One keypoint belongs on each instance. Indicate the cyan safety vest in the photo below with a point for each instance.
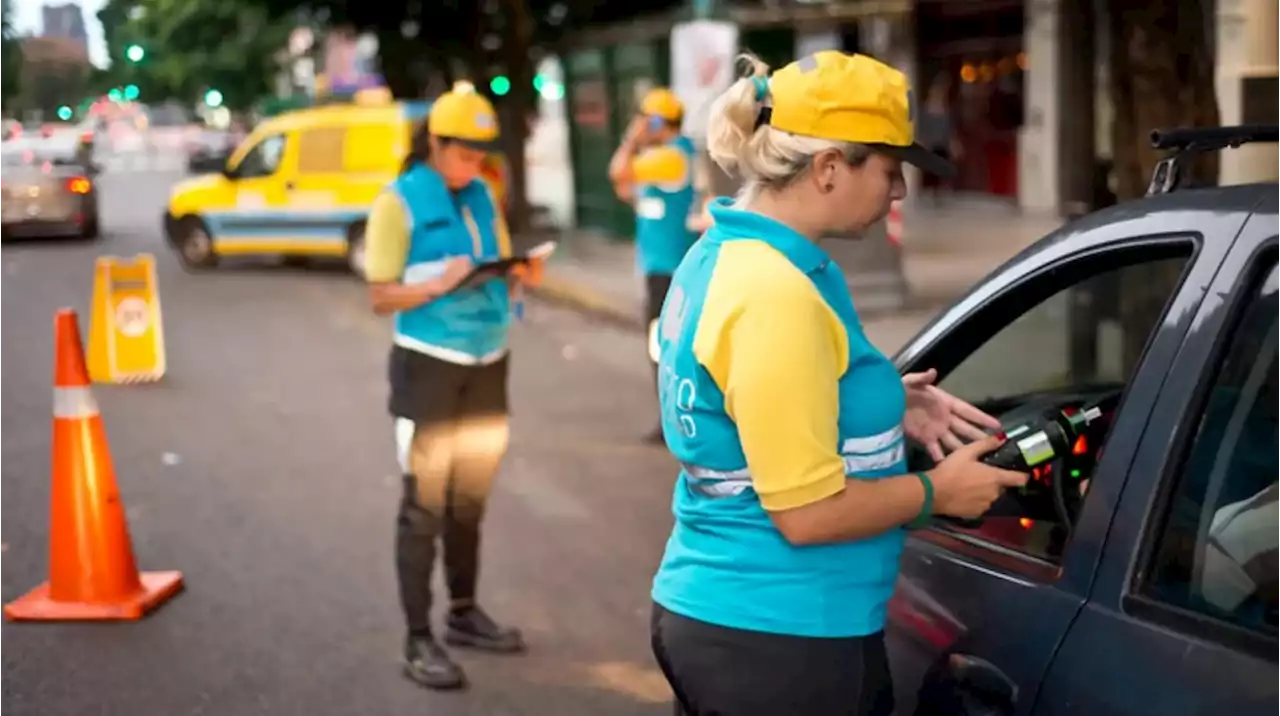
(470, 325)
(662, 212)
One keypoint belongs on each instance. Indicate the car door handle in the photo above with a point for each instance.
(288, 186)
(966, 685)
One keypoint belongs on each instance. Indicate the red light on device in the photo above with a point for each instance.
(1081, 447)
(1026, 523)
(79, 185)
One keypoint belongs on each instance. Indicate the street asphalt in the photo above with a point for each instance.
(262, 468)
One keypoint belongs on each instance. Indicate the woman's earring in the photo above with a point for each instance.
(828, 187)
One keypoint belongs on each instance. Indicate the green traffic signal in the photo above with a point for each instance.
(131, 92)
(135, 53)
(500, 85)
(114, 94)
(538, 82)
(213, 98)
(64, 113)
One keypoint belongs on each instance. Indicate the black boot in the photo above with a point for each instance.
(428, 664)
(471, 626)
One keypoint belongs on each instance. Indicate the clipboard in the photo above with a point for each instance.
(502, 267)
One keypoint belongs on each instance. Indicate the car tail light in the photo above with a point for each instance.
(79, 185)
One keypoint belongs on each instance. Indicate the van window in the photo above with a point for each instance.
(371, 148)
(320, 150)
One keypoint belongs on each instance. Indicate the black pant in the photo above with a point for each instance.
(655, 292)
(452, 435)
(717, 671)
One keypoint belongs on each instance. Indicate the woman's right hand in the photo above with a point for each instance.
(456, 269)
(964, 487)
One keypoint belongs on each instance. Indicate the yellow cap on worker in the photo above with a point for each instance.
(464, 115)
(850, 98)
(662, 102)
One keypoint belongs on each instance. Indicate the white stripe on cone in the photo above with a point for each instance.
(73, 403)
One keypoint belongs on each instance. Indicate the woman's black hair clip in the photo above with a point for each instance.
(763, 117)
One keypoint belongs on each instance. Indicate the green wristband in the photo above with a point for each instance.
(926, 508)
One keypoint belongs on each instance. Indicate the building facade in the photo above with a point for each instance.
(66, 21)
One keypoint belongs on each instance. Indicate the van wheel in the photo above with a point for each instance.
(195, 245)
(355, 250)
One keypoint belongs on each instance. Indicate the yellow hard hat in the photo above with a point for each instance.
(662, 102)
(464, 115)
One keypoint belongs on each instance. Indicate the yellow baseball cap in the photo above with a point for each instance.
(465, 116)
(850, 98)
(662, 102)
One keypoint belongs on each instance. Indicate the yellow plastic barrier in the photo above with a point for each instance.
(126, 335)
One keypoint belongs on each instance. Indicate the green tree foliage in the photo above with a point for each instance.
(50, 85)
(10, 57)
(193, 45)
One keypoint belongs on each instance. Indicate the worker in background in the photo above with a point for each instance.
(653, 169)
(448, 371)
(790, 427)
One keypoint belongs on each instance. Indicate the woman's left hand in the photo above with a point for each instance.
(528, 274)
(939, 420)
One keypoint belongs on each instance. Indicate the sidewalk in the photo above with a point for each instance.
(944, 252)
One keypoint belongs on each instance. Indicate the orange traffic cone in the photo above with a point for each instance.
(92, 574)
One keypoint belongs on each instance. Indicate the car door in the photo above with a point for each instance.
(1182, 617)
(980, 611)
(255, 220)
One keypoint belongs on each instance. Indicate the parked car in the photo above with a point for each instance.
(1137, 574)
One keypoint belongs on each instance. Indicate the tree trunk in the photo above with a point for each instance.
(1162, 75)
(517, 105)
(398, 60)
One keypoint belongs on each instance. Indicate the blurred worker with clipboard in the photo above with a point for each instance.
(653, 169)
(439, 260)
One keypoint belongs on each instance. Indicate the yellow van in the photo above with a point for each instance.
(300, 185)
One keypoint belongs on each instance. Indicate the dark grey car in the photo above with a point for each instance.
(48, 193)
(1136, 575)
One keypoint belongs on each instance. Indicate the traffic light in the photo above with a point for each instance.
(539, 81)
(64, 113)
(135, 53)
(500, 85)
(131, 92)
(114, 95)
(213, 98)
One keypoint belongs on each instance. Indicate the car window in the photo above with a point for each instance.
(320, 150)
(1216, 546)
(1063, 346)
(263, 159)
(1079, 336)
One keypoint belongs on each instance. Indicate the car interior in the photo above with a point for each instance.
(1026, 369)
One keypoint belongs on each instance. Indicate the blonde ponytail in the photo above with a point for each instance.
(733, 115)
(765, 158)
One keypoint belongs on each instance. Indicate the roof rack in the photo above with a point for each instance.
(1188, 142)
